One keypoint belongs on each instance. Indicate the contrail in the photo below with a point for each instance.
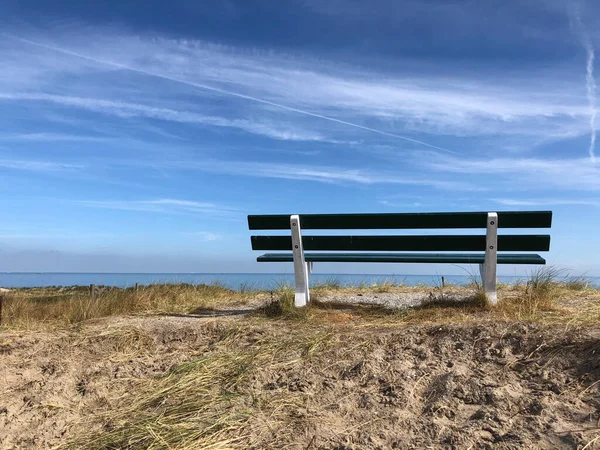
(590, 84)
(590, 81)
(225, 92)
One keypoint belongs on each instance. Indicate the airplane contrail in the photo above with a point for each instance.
(225, 92)
(590, 83)
(590, 80)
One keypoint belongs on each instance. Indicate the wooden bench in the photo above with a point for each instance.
(395, 248)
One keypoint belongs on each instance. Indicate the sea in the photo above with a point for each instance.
(236, 281)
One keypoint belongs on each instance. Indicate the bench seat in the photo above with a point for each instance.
(453, 258)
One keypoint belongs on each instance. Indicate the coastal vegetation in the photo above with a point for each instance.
(203, 366)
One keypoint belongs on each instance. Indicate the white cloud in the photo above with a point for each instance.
(61, 235)
(164, 206)
(39, 166)
(128, 110)
(49, 137)
(205, 236)
(568, 174)
(545, 202)
(590, 81)
(299, 99)
(290, 98)
(317, 173)
(390, 204)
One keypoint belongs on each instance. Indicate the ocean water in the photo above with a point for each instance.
(260, 281)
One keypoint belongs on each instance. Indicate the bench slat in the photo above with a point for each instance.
(456, 258)
(445, 220)
(513, 243)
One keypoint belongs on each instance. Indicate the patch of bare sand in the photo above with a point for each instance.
(398, 297)
(50, 381)
(459, 386)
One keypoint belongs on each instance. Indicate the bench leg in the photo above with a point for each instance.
(488, 269)
(301, 267)
(309, 269)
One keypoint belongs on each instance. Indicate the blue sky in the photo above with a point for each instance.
(137, 136)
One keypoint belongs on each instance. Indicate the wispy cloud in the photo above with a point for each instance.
(590, 81)
(591, 92)
(128, 110)
(316, 173)
(39, 166)
(163, 206)
(514, 173)
(223, 91)
(390, 204)
(50, 137)
(65, 234)
(205, 236)
(289, 98)
(546, 202)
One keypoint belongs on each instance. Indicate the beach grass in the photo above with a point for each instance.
(229, 398)
(40, 307)
(537, 297)
(546, 296)
(240, 383)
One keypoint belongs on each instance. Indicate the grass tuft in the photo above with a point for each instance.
(539, 296)
(283, 307)
(384, 286)
(574, 283)
(331, 284)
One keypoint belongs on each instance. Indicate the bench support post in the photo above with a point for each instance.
(302, 269)
(488, 268)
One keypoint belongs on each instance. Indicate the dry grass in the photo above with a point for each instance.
(244, 389)
(260, 385)
(49, 307)
(331, 283)
(536, 299)
(204, 403)
(541, 298)
(577, 283)
(283, 307)
(194, 406)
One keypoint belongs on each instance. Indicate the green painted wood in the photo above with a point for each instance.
(468, 243)
(447, 220)
(456, 258)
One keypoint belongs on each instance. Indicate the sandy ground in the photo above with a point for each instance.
(49, 381)
(488, 385)
(396, 299)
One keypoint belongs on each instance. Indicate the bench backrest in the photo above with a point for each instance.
(404, 221)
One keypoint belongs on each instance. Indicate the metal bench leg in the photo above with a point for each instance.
(488, 269)
(301, 267)
(309, 269)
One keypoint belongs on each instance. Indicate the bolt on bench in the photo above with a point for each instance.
(392, 248)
